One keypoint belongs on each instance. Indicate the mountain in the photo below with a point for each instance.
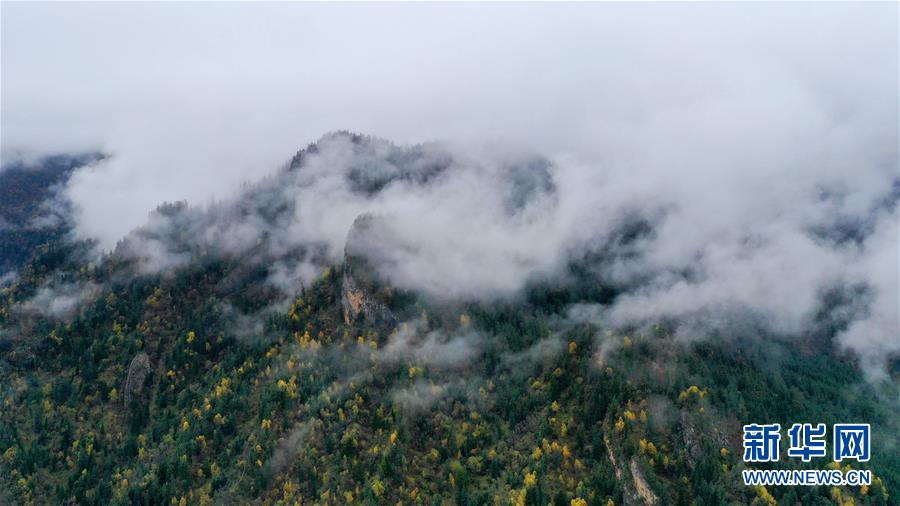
(31, 215)
(328, 336)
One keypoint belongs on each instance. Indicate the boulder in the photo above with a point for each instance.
(138, 372)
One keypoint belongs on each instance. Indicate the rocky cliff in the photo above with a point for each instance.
(365, 294)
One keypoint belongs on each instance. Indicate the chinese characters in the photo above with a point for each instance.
(850, 441)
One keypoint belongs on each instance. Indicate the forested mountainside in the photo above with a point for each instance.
(30, 216)
(226, 356)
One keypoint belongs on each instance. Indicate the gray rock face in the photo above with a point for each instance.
(137, 377)
(364, 295)
(693, 441)
(358, 302)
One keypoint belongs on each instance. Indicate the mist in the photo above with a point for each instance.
(757, 142)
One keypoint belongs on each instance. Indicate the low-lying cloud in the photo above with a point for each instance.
(59, 300)
(711, 162)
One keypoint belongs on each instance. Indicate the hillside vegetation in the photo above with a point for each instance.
(197, 379)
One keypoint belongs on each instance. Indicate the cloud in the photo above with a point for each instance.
(8, 278)
(543, 351)
(480, 225)
(717, 164)
(288, 446)
(877, 334)
(59, 300)
(606, 82)
(413, 342)
(418, 397)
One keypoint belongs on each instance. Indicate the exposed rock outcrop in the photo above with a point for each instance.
(693, 439)
(642, 489)
(365, 295)
(641, 493)
(138, 372)
(360, 303)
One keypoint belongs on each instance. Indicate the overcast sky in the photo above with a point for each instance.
(224, 92)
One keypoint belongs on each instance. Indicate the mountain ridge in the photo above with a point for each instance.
(223, 355)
